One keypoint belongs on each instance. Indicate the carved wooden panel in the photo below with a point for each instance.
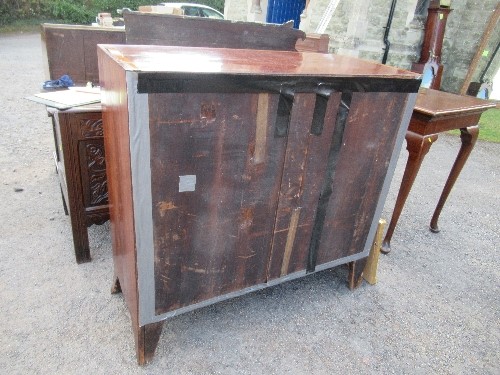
(93, 171)
(91, 128)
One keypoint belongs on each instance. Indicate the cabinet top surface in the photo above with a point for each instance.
(167, 59)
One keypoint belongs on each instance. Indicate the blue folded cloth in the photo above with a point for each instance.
(64, 81)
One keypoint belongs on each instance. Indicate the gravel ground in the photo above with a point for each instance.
(435, 309)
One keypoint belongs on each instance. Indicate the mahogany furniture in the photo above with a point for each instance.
(79, 150)
(171, 30)
(436, 112)
(233, 170)
(81, 168)
(72, 49)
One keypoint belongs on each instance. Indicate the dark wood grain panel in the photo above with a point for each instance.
(164, 29)
(90, 41)
(301, 185)
(216, 238)
(93, 172)
(64, 49)
(72, 50)
(316, 169)
(358, 180)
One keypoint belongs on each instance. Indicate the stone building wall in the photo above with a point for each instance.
(464, 30)
(357, 29)
(236, 10)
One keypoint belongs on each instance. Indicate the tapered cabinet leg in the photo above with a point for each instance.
(81, 242)
(418, 146)
(147, 340)
(356, 268)
(468, 136)
(116, 287)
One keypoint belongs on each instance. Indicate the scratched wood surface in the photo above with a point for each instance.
(165, 29)
(213, 237)
(248, 212)
(262, 164)
(361, 167)
(304, 166)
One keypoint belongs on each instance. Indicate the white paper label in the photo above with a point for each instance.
(187, 183)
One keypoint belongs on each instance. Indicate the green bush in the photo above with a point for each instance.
(70, 12)
(74, 11)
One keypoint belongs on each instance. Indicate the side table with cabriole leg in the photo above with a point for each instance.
(436, 112)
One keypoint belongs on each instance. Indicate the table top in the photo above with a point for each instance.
(436, 103)
(95, 107)
(168, 59)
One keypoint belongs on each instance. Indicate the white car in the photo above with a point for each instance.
(195, 10)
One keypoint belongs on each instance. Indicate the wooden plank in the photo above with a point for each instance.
(290, 239)
(165, 29)
(262, 126)
(303, 174)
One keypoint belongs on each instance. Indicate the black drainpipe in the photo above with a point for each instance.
(481, 79)
(387, 30)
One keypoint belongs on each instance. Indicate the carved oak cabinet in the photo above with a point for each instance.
(81, 168)
(233, 170)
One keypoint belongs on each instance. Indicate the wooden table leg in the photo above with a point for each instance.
(468, 136)
(418, 146)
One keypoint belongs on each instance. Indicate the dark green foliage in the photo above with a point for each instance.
(75, 11)
(11, 10)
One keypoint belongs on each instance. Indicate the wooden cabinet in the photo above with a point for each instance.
(81, 168)
(233, 170)
(72, 50)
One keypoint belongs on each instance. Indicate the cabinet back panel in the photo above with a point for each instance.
(216, 170)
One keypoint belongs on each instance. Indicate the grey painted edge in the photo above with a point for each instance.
(238, 293)
(403, 127)
(138, 108)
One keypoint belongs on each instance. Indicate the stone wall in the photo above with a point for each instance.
(464, 30)
(357, 29)
(236, 10)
